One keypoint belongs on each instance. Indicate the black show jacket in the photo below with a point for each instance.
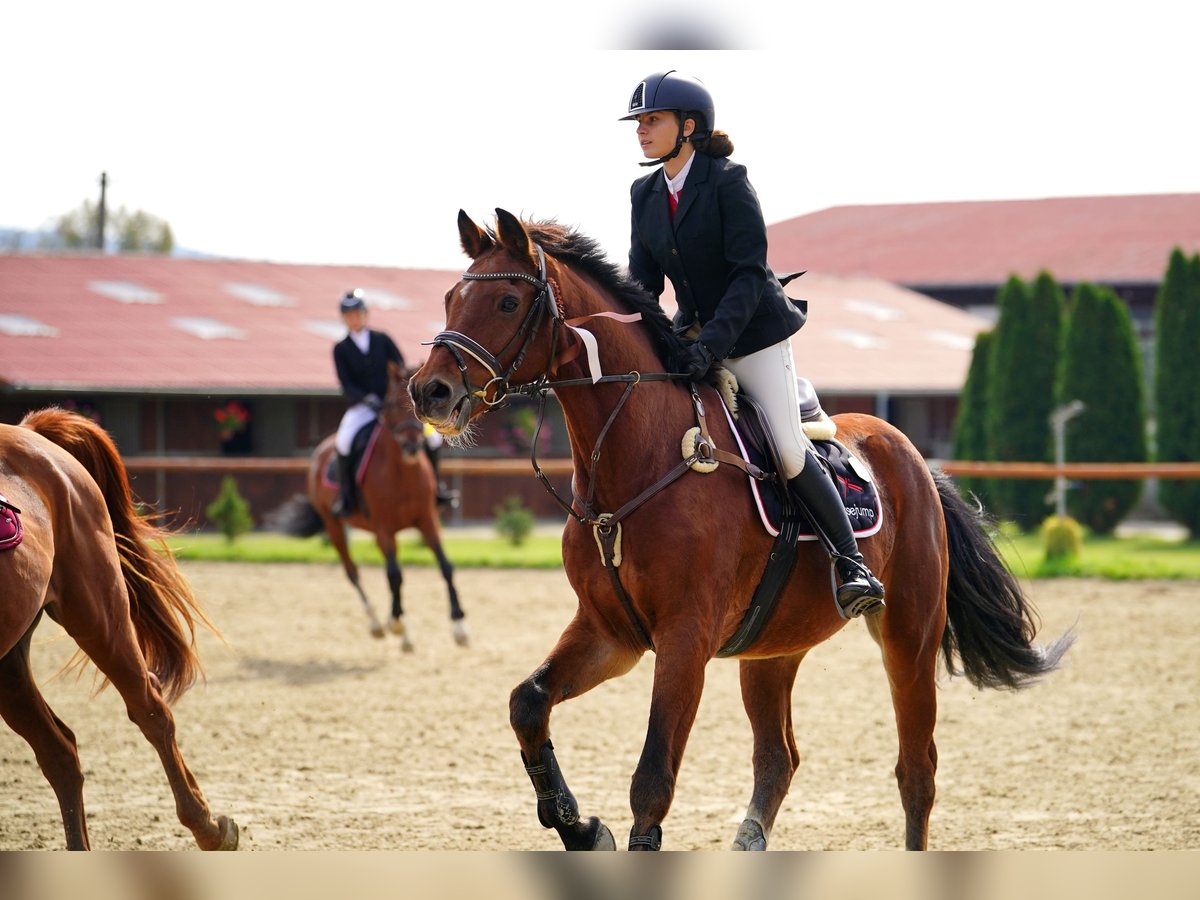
(361, 373)
(715, 255)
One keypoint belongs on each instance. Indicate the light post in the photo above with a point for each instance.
(1058, 420)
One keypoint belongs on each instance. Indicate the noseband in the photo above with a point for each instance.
(457, 343)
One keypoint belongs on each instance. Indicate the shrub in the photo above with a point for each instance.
(230, 512)
(1062, 539)
(513, 521)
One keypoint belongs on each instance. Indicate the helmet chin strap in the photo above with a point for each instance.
(679, 141)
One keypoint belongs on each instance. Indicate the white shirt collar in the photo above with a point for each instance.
(675, 185)
(362, 339)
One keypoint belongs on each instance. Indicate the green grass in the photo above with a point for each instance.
(537, 551)
(1117, 559)
(1103, 557)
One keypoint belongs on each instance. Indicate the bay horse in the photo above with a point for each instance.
(88, 559)
(398, 490)
(667, 560)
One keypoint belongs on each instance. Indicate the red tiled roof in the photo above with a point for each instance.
(103, 343)
(863, 334)
(1101, 239)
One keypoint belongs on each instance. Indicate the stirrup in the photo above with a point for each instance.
(860, 595)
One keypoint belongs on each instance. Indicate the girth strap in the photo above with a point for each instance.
(774, 577)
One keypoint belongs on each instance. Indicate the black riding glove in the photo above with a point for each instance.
(697, 360)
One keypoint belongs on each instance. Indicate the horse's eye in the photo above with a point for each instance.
(509, 303)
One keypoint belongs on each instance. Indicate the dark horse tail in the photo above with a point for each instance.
(990, 624)
(296, 517)
(161, 603)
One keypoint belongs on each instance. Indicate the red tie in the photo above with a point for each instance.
(673, 203)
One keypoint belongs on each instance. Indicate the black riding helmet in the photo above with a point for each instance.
(679, 93)
(352, 300)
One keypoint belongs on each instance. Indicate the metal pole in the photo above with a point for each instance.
(101, 212)
(1059, 419)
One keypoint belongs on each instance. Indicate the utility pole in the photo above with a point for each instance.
(100, 213)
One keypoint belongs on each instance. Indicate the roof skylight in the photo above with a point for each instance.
(326, 328)
(17, 325)
(208, 329)
(860, 340)
(380, 299)
(125, 291)
(881, 312)
(258, 295)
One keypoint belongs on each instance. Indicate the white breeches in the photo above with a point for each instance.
(769, 376)
(352, 420)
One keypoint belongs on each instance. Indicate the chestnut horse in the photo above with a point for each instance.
(398, 490)
(100, 569)
(667, 560)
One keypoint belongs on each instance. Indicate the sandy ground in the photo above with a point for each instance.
(315, 736)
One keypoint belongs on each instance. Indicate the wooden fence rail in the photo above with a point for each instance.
(1082, 471)
(559, 466)
(286, 464)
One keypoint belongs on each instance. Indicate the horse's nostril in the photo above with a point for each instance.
(436, 391)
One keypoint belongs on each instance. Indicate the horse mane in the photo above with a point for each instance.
(583, 253)
(164, 610)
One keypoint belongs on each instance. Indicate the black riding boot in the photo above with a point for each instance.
(345, 504)
(445, 496)
(860, 591)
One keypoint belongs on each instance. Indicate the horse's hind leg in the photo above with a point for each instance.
(26, 712)
(103, 630)
(337, 537)
(767, 696)
(910, 658)
(583, 658)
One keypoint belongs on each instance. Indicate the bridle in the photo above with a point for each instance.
(457, 343)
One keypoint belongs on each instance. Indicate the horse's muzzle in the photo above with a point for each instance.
(445, 406)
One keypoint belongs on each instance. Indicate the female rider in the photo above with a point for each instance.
(699, 225)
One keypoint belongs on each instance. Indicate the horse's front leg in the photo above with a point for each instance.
(432, 537)
(387, 546)
(678, 684)
(767, 697)
(584, 657)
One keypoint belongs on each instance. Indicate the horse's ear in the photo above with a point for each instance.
(475, 241)
(513, 236)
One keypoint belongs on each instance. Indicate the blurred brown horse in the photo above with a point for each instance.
(398, 490)
(667, 560)
(99, 569)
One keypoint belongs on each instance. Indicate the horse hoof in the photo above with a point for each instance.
(229, 833)
(406, 645)
(604, 838)
(396, 625)
(377, 630)
(460, 634)
(750, 837)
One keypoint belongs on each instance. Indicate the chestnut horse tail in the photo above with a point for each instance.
(161, 604)
(990, 624)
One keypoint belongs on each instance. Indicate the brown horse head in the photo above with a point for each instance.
(505, 317)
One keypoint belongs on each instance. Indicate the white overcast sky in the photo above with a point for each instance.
(353, 132)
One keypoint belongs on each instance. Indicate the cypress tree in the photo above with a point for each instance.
(970, 427)
(1021, 391)
(1177, 384)
(1102, 367)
